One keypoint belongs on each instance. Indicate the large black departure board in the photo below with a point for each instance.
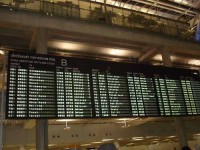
(45, 86)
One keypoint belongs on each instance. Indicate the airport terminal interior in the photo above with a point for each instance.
(142, 33)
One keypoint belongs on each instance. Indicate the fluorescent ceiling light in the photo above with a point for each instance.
(137, 138)
(85, 144)
(96, 142)
(105, 140)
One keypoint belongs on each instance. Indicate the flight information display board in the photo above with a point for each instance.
(45, 86)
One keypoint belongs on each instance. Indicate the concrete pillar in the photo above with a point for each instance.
(42, 134)
(41, 124)
(179, 122)
(181, 131)
(41, 41)
(166, 57)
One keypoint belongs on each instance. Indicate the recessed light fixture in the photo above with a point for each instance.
(2, 52)
(157, 57)
(195, 62)
(117, 52)
(66, 45)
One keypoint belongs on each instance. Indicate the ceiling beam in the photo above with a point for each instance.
(147, 55)
(33, 39)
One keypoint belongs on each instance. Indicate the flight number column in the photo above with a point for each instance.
(69, 96)
(12, 92)
(22, 93)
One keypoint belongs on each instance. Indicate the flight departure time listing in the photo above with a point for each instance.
(46, 86)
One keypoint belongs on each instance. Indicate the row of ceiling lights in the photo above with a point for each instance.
(70, 46)
(124, 53)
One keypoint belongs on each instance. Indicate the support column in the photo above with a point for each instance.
(41, 41)
(42, 134)
(2, 117)
(179, 122)
(41, 124)
(181, 131)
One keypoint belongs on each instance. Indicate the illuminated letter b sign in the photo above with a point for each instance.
(63, 62)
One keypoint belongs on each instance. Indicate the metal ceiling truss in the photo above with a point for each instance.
(165, 8)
